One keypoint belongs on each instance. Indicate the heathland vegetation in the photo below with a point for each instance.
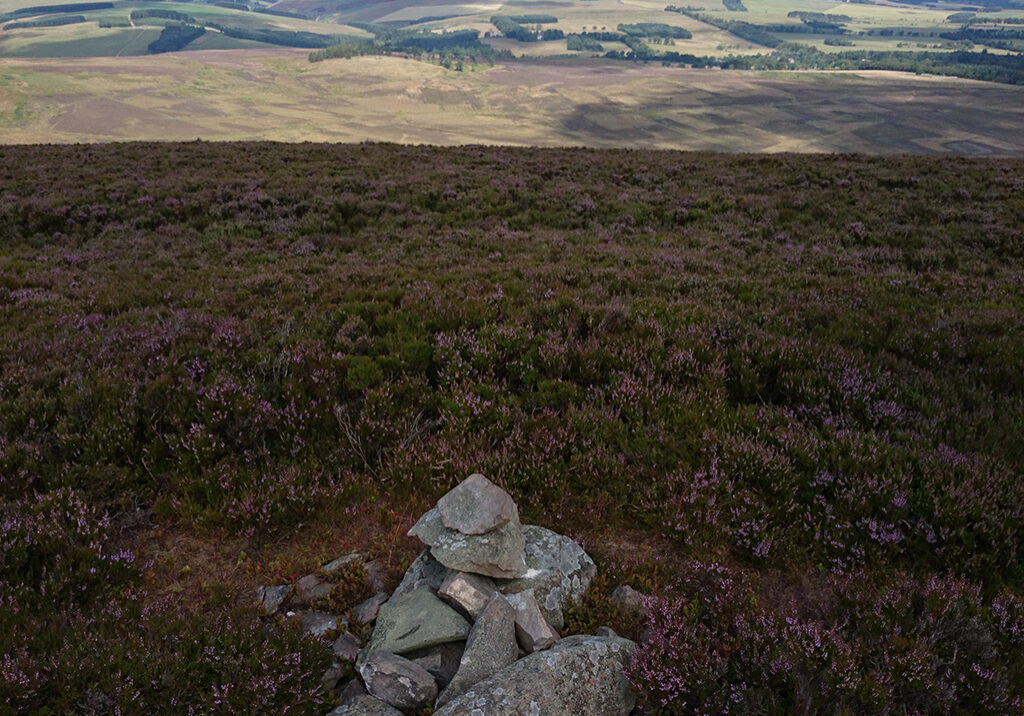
(781, 393)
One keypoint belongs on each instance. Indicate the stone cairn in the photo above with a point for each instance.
(473, 626)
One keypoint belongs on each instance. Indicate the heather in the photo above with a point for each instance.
(800, 376)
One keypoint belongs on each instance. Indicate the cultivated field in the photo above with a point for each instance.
(277, 94)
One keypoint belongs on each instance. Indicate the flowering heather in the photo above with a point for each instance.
(802, 370)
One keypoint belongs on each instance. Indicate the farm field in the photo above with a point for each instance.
(279, 95)
(779, 393)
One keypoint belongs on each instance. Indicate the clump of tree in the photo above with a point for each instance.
(284, 38)
(744, 30)
(56, 21)
(67, 7)
(579, 43)
(655, 29)
(535, 19)
(819, 17)
(174, 37)
(512, 29)
(232, 5)
(734, 5)
(181, 17)
(838, 42)
(280, 13)
(347, 49)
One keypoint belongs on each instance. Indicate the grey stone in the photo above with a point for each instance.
(376, 575)
(366, 612)
(397, 681)
(352, 689)
(490, 648)
(271, 598)
(310, 589)
(365, 705)
(320, 624)
(605, 631)
(469, 592)
(579, 675)
(425, 571)
(346, 646)
(532, 630)
(414, 621)
(558, 571)
(442, 661)
(630, 599)
(336, 565)
(329, 681)
(476, 506)
(499, 553)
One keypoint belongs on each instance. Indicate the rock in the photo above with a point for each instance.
(320, 624)
(397, 681)
(469, 592)
(365, 705)
(476, 506)
(311, 588)
(346, 646)
(414, 621)
(335, 566)
(442, 661)
(499, 553)
(558, 571)
(630, 599)
(579, 675)
(425, 571)
(376, 575)
(352, 689)
(366, 612)
(605, 631)
(271, 598)
(532, 631)
(329, 681)
(490, 648)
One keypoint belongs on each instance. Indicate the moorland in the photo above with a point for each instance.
(780, 393)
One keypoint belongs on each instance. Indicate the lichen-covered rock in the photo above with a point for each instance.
(490, 648)
(579, 675)
(271, 598)
(499, 553)
(414, 621)
(476, 506)
(365, 705)
(532, 630)
(558, 571)
(397, 681)
(425, 571)
(320, 624)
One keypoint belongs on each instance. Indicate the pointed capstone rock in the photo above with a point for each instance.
(558, 571)
(499, 553)
(476, 506)
(414, 621)
(397, 681)
(579, 675)
(490, 648)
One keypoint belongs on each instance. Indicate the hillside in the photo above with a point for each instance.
(781, 393)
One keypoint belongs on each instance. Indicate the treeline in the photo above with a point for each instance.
(655, 29)
(165, 15)
(284, 38)
(279, 13)
(449, 48)
(511, 29)
(174, 37)
(819, 17)
(533, 19)
(46, 22)
(745, 30)
(67, 7)
(579, 43)
(982, 36)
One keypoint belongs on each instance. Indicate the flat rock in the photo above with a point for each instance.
(499, 553)
(468, 592)
(579, 675)
(532, 630)
(397, 681)
(490, 648)
(346, 646)
(311, 588)
(367, 611)
(442, 661)
(414, 621)
(271, 598)
(425, 571)
(558, 571)
(365, 705)
(320, 624)
(336, 565)
(476, 506)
